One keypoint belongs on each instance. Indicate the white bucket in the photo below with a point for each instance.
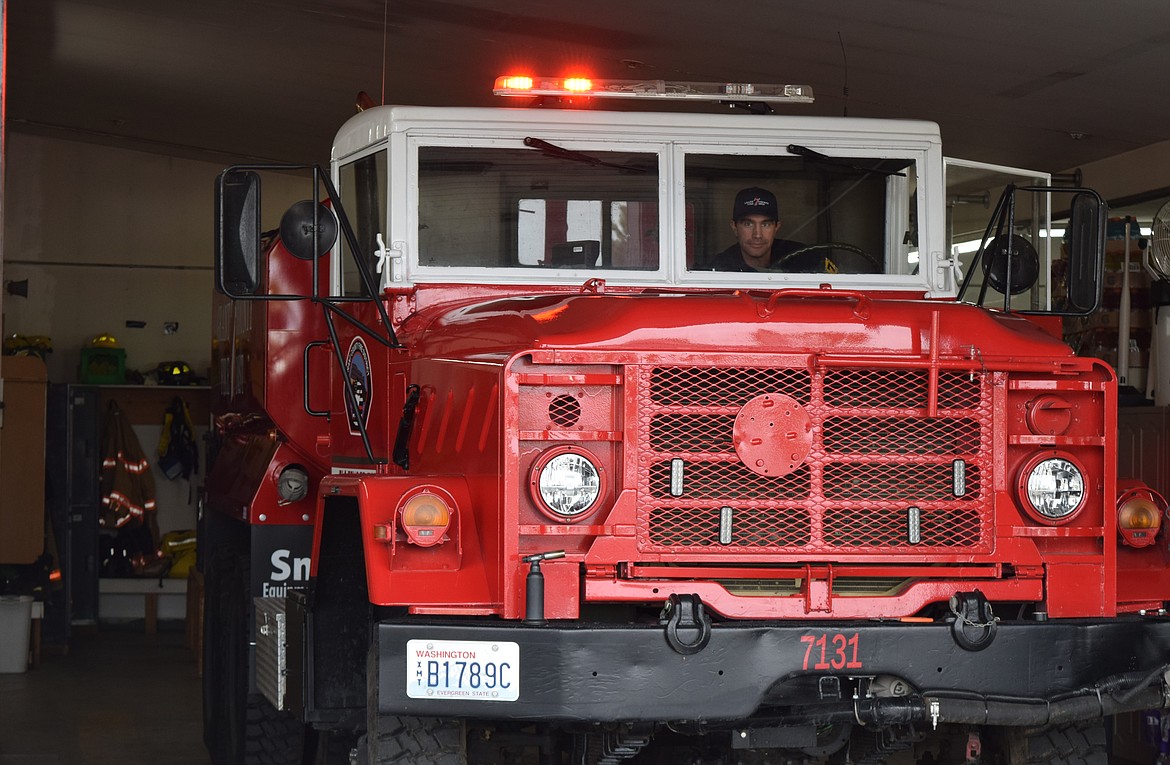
(15, 622)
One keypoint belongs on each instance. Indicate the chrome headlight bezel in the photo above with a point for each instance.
(567, 483)
(1052, 488)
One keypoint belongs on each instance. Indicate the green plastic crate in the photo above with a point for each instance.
(102, 366)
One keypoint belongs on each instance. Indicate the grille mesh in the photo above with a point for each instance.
(564, 411)
(879, 478)
(755, 527)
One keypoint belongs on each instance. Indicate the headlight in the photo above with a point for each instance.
(566, 483)
(1052, 488)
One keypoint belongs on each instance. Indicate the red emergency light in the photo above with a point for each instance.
(516, 86)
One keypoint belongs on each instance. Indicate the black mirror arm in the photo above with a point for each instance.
(997, 221)
(360, 263)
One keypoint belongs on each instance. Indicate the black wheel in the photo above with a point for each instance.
(830, 739)
(256, 732)
(1075, 744)
(404, 740)
(828, 258)
(1080, 743)
(214, 645)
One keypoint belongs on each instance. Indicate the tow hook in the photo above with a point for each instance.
(687, 626)
(974, 624)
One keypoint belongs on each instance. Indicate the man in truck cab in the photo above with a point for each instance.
(755, 218)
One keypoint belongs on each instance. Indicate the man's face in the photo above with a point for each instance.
(755, 234)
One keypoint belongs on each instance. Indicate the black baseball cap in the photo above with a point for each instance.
(755, 201)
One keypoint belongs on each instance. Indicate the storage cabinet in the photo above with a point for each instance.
(73, 495)
(76, 417)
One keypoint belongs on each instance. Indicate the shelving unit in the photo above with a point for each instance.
(1098, 335)
(76, 417)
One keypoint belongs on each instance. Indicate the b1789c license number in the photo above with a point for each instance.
(463, 669)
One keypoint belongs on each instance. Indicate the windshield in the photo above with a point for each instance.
(551, 211)
(524, 208)
(796, 214)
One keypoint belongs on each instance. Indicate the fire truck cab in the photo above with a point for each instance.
(519, 458)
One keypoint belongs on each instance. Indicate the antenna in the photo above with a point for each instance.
(385, 37)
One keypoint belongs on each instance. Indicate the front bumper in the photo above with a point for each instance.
(602, 673)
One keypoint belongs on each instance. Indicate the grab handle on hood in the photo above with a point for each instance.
(860, 310)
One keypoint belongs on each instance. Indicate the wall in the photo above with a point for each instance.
(1133, 173)
(108, 235)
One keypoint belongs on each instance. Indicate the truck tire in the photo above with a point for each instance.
(1081, 743)
(257, 733)
(214, 647)
(404, 740)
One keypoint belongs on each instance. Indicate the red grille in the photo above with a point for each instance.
(754, 527)
(912, 481)
(884, 435)
(883, 528)
(881, 476)
(564, 411)
(692, 433)
(710, 387)
(729, 480)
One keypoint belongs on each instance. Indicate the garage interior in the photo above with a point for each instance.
(118, 115)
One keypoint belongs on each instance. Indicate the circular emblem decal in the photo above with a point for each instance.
(773, 434)
(357, 368)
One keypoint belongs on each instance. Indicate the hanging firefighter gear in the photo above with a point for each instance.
(127, 483)
(178, 454)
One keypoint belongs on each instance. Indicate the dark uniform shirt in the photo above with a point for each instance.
(731, 259)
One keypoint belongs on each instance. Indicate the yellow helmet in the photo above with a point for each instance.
(104, 340)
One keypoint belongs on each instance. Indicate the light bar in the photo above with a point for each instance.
(522, 86)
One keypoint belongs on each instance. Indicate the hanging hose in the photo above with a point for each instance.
(1140, 692)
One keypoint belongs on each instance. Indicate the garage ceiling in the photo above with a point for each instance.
(1045, 84)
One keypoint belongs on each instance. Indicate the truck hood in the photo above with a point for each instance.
(736, 322)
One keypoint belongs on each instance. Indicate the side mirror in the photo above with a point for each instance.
(237, 233)
(1010, 263)
(308, 230)
(1085, 236)
(1024, 267)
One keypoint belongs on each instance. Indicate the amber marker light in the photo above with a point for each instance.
(425, 516)
(1139, 516)
(513, 82)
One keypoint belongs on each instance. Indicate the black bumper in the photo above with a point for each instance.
(592, 672)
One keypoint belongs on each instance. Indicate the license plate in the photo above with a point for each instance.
(479, 670)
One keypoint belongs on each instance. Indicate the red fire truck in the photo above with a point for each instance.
(517, 459)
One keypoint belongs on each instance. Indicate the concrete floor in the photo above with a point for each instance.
(118, 697)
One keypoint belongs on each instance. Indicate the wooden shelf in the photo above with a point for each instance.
(146, 404)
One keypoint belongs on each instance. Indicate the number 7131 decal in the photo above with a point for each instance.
(834, 650)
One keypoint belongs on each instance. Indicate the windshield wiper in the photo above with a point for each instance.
(816, 156)
(559, 152)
